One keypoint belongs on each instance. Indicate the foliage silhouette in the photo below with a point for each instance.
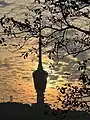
(73, 97)
(84, 76)
(59, 20)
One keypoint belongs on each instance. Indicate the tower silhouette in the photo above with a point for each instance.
(40, 76)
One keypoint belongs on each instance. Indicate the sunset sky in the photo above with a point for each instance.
(16, 72)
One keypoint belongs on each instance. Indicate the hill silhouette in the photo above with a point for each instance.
(41, 112)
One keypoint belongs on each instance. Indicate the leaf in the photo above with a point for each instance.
(5, 30)
(85, 61)
(25, 55)
(49, 56)
(0, 41)
(5, 44)
(14, 35)
(29, 50)
(8, 20)
(3, 39)
(79, 62)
